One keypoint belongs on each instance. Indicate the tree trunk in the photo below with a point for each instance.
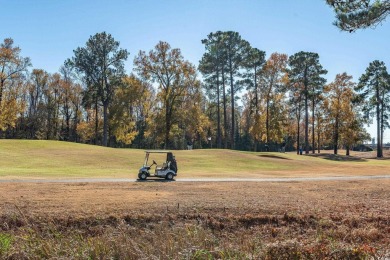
(219, 137)
(67, 118)
(256, 95)
(2, 84)
(318, 135)
(167, 126)
(298, 127)
(226, 127)
(76, 121)
(232, 132)
(1, 92)
(105, 123)
(306, 127)
(306, 113)
(336, 136)
(298, 139)
(312, 127)
(256, 109)
(382, 125)
(267, 124)
(96, 120)
(49, 123)
(267, 113)
(378, 142)
(378, 126)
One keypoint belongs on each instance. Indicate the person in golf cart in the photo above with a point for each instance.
(171, 162)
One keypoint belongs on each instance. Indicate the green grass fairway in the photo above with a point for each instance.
(21, 159)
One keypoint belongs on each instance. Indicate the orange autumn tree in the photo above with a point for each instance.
(253, 122)
(339, 106)
(13, 68)
(273, 80)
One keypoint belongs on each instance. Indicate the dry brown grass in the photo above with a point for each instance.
(172, 220)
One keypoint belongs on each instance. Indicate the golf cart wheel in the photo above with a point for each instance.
(142, 176)
(169, 176)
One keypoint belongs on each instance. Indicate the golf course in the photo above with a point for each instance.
(45, 215)
(29, 159)
(195, 130)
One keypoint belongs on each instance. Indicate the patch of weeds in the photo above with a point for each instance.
(201, 254)
(5, 243)
(283, 250)
(358, 252)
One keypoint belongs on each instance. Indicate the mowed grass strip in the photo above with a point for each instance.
(20, 159)
(44, 159)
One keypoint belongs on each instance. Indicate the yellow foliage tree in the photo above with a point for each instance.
(86, 128)
(339, 105)
(12, 71)
(273, 78)
(10, 108)
(130, 104)
(174, 78)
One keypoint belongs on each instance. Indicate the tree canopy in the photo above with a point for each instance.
(175, 78)
(352, 15)
(102, 64)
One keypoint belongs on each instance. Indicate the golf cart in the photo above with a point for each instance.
(167, 169)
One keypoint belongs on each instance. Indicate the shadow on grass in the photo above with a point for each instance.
(273, 156)
(155, 180)
(338, 157)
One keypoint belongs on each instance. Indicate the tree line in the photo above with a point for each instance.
(243, 100)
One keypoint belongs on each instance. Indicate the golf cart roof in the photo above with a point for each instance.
(157, 151)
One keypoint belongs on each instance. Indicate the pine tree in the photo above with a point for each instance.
(102, 64)
(352, 15)
(306, 69)
(374, 89)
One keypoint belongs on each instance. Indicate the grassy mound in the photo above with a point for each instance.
(55, 159)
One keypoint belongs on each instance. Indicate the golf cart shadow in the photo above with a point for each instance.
(155, 180)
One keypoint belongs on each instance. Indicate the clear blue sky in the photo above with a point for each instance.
(48, 31)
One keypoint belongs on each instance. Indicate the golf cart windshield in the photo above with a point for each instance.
(160, 156)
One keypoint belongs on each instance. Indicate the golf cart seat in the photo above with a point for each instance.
(162, 167)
